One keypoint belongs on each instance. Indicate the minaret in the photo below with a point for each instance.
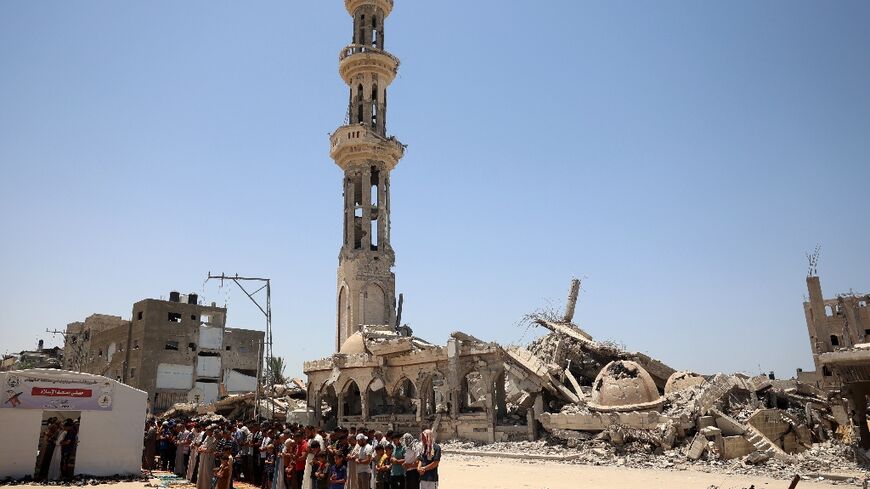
(361, 148)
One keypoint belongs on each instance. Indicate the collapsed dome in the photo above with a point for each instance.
(624, 386)
(353, 345)
(680, 381)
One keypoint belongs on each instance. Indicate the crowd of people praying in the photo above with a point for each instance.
(272, 455)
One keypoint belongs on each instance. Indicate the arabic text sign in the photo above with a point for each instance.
(61, 393)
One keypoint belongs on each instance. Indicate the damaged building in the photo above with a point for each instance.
(839, 333)
(380, 375)
(176, 350)
(565, 386)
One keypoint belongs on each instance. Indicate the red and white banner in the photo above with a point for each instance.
(62, 392)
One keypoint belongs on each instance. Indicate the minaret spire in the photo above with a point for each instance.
(366, 282)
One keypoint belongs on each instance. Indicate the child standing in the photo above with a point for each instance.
(223, 473)
(382, 466)
(337, 473)
(321, 478)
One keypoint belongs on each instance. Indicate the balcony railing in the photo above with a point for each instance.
(361, 48)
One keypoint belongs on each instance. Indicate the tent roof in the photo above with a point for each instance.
(68, 375)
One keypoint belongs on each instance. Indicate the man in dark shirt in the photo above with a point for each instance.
(430, 458)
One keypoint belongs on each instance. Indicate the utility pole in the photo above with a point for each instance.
(266, 309)
(66, 354)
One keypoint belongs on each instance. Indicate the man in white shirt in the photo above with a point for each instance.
(362, 455)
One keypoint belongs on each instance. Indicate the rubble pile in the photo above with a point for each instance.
(276, 403)
(599, 403)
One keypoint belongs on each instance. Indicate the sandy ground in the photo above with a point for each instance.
(489, 473)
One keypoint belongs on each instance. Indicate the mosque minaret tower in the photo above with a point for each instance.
(362, 149)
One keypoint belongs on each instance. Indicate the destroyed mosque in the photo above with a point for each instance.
(566, 383)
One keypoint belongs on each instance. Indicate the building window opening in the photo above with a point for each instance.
(100, 353)
(362, 30)
(191, 346)
(835, 341)
(193, 317)
(826, 371)
(132, 372)
(374, 196)
(375, 32)
(473, 396)
(229, 348)
(174, 317)
(829, 311)
(139, 315)
(171, 345)
(867, 332)
(352, 400)
(375, 105)
(357, 191)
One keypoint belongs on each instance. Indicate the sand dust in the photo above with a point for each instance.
(490, 473)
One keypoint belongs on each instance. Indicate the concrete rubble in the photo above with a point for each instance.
(281, 402)
(569, 397)
(605, 405)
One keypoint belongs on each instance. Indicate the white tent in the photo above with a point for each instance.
(110, 429)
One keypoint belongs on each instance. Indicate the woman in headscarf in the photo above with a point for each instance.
(412, 452)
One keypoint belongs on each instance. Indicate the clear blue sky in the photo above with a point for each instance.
(680, 156)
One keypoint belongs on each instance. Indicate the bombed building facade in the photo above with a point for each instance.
(176, 350)
(565, 385)
(841, 322)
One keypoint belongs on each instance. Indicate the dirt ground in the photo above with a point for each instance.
(490, 473)
(461, 472)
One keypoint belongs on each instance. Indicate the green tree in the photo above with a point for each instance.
(276, 368)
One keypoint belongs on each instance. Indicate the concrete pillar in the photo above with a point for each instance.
(348, 212)
(364, 403)
(367, 209)
(573, 292)
(367, 100)
(421, 395)
(341, 413)
(853, 333)
(454, 381)
(382, 210)
(500, 397)
(318, 415)
(531, 424)
(386, 216)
